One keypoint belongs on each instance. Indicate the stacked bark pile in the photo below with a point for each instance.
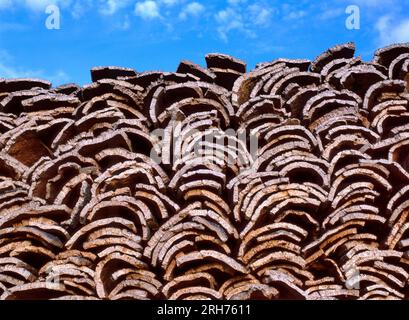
(114, 191)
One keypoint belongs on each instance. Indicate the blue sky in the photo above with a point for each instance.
(157, 34)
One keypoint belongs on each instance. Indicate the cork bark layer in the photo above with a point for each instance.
(289, 181)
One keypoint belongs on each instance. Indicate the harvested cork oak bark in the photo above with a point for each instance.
(290, 181)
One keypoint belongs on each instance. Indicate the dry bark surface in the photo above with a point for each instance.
(313, 203)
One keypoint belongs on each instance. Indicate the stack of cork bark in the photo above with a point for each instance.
(290, 181)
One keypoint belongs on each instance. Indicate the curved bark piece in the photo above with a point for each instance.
(302, 64)
(99, 73)
(247, 288)
(26, 147)
(196, 70)
(336, 65)
(398, 67)
(112, 287)
(37, 291)
(245, 86)
(76, 239)
(386, 55)
(132, 94)
(68, 89)
(358, 79)
(297, 80)
(12, 102)
(11, 167)
(222, 61)
(200, 279)
(345, 51)
(49, 101)
(189, 106)
(73, 269)
(50, 175)
(284, 283)
(286, 182)
(12, 85)
(383, 91)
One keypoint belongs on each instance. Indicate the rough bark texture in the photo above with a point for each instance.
(319, 209)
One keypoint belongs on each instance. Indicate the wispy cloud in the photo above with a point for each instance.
(147, 10)
(124, 24)
(229, 19)
(13, 26)
(170, 3)
(8, 69)
(110, 7)
(5, 4)
(331, 13)
(372, 3)
(35, 5)
(192, 9)
(42, 4)
(260, 14)
(295, 15)
(236, 2)
(391, 31)
(242, 18)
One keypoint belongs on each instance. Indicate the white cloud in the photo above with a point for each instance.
(246, 19)
(236, 2)
(331, 13)
(35, 5)
(392, 31)
(295, 15)
(147, 10)
(373, 3)
(229, 20)
(38, 5)
(77, 7)
(78, 10)
(259, 15)
(58, 78)
(125, 24)
(10, 26)
(401, 32)
(110, 7)
(8, 69)
(192, 9)
(5, 4)
(170, 2)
